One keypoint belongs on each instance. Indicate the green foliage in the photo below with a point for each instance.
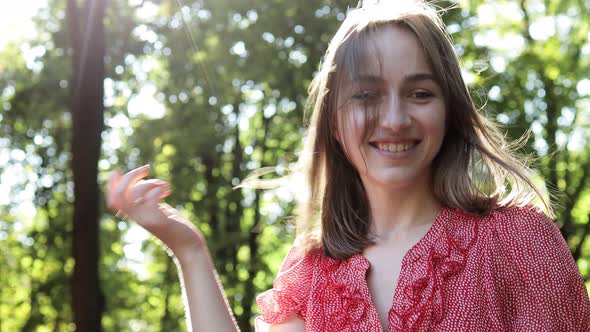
(207, 91)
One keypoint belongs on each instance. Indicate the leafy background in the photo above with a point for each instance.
(207, 91)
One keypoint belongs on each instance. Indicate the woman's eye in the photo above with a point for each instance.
(366, 95)
(422, 95)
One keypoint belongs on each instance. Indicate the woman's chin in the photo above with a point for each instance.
(394, 180)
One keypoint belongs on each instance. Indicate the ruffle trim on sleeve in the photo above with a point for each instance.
(290, 291)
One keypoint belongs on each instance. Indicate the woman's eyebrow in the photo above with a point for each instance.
(411, 78)
(417, 77)
(369, 78)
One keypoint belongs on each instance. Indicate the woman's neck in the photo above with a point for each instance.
(395, 210)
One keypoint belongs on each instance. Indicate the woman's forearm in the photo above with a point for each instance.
(207, 308)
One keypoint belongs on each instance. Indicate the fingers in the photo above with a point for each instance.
(113, 182)
(118, 187)
(128, 193)
(142, 188)
(131, 177)
(156, 194)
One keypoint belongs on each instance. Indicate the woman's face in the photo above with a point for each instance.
(399, 85)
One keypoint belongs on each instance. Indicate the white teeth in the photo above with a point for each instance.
(394, 147)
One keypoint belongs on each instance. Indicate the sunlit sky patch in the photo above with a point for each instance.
(147, 10)
(136, 259)
(146, 103)
(16, 19)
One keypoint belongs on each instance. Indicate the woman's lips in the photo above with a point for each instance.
(397, 150)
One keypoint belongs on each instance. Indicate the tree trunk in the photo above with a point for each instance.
(250, 289)
(87, 38)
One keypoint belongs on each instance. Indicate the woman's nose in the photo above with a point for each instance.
(395, 115)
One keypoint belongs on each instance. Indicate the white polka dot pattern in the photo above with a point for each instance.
(508, 271)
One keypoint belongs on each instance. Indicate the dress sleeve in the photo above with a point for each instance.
(541, 287)
(290, 290)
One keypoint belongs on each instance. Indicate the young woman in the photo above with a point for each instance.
(419, 215)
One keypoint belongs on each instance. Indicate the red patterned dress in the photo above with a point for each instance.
(508, 271)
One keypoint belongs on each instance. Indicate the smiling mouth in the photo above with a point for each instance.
(395, 147)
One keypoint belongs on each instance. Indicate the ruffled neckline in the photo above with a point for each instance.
(419, 294)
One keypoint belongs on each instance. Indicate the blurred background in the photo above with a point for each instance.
(206, 92)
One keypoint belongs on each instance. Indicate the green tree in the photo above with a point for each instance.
(208, 91)
(531, 67)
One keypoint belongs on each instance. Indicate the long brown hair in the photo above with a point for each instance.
(476, 169)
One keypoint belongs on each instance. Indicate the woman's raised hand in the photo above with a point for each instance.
(129, 195)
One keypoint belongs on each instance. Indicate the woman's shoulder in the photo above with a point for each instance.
(517, 228)
(300, 259)
(524, 238)
(510, 225)
(290, 291)
(532, 270)
(520, 216)
(514, 236)
(516, 222)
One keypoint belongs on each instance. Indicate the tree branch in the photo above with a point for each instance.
(73, 17)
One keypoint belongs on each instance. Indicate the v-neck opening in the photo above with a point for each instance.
(416, 248)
